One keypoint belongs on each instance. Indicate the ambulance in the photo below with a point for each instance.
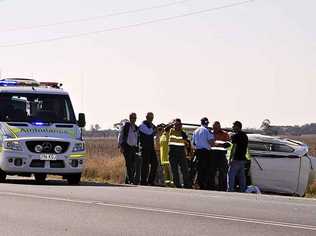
(39, 133)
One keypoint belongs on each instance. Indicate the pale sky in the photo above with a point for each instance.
(248, 62)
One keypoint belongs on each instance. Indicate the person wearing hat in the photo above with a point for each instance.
(203, 140)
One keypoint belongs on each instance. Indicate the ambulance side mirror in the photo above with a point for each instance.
(82, 120)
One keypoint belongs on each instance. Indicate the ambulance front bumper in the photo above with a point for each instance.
(20, 162)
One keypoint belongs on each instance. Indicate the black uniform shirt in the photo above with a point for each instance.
(240, 141)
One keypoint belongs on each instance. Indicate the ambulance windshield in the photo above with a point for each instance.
(36, 108)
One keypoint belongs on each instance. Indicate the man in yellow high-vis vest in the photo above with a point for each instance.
(178, 140)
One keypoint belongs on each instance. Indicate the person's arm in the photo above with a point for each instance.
(234, 138)
(193, 140)
(187, 144)
(223, 142)
(211, 139)
(227, 138)
(145, 130)
(120, 138)
(185, 138)
(169, 125)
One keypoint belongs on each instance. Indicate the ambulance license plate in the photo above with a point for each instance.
(48, 157)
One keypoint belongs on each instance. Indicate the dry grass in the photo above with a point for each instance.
(104, 162)
(308, 139)
(311, 191)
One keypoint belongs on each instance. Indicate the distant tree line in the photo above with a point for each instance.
(292, 130)
(96, 131)
(297, 130)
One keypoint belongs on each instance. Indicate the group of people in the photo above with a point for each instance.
(207, 167)
(138, 147)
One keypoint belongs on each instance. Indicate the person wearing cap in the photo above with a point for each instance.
(238, 158)
(178, 140)
(147, 132)
(203, 140)
(219, 152)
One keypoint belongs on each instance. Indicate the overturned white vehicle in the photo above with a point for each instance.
(280, 165)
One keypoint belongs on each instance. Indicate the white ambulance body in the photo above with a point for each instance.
(39, 133)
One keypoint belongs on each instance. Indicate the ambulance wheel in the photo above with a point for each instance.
(40, 178)
(3, 176)
(73, 179)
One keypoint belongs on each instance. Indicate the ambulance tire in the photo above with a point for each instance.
(3, 176)
(40, 178)
(73, 179)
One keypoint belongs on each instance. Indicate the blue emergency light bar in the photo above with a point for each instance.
(28, 82)
(5, 83)
(37, 123)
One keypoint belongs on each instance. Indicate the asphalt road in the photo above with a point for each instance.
(95, 209)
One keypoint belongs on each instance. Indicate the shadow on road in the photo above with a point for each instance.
(60, 182)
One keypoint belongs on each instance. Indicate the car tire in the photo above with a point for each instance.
(73, 179)
(40, 178)
(3, 176)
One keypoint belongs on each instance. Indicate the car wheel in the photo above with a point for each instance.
(40, 178)
(73, 179)
(3, 176)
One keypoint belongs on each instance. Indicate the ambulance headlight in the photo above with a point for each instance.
(58, 149)
(78, 147)
(12, 145)
(38, 148)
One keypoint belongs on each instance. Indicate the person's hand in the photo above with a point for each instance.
(226, 145)
(121, 149)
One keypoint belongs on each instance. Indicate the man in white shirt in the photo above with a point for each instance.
(128, 144)
(203, 140)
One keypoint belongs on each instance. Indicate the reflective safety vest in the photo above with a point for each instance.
(176, 138)
(230, 151)
(219, 148)
(164, 148)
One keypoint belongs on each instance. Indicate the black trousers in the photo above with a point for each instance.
(138, 167)
(220, 166)
(177, 158)
(131, 157)
(204, 168)
(149, 157)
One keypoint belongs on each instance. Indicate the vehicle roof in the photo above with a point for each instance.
(272, 139)
(32, 90)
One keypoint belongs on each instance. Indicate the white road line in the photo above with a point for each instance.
(213, 216)
(168, 211)
(45, 198)
(298, 201)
